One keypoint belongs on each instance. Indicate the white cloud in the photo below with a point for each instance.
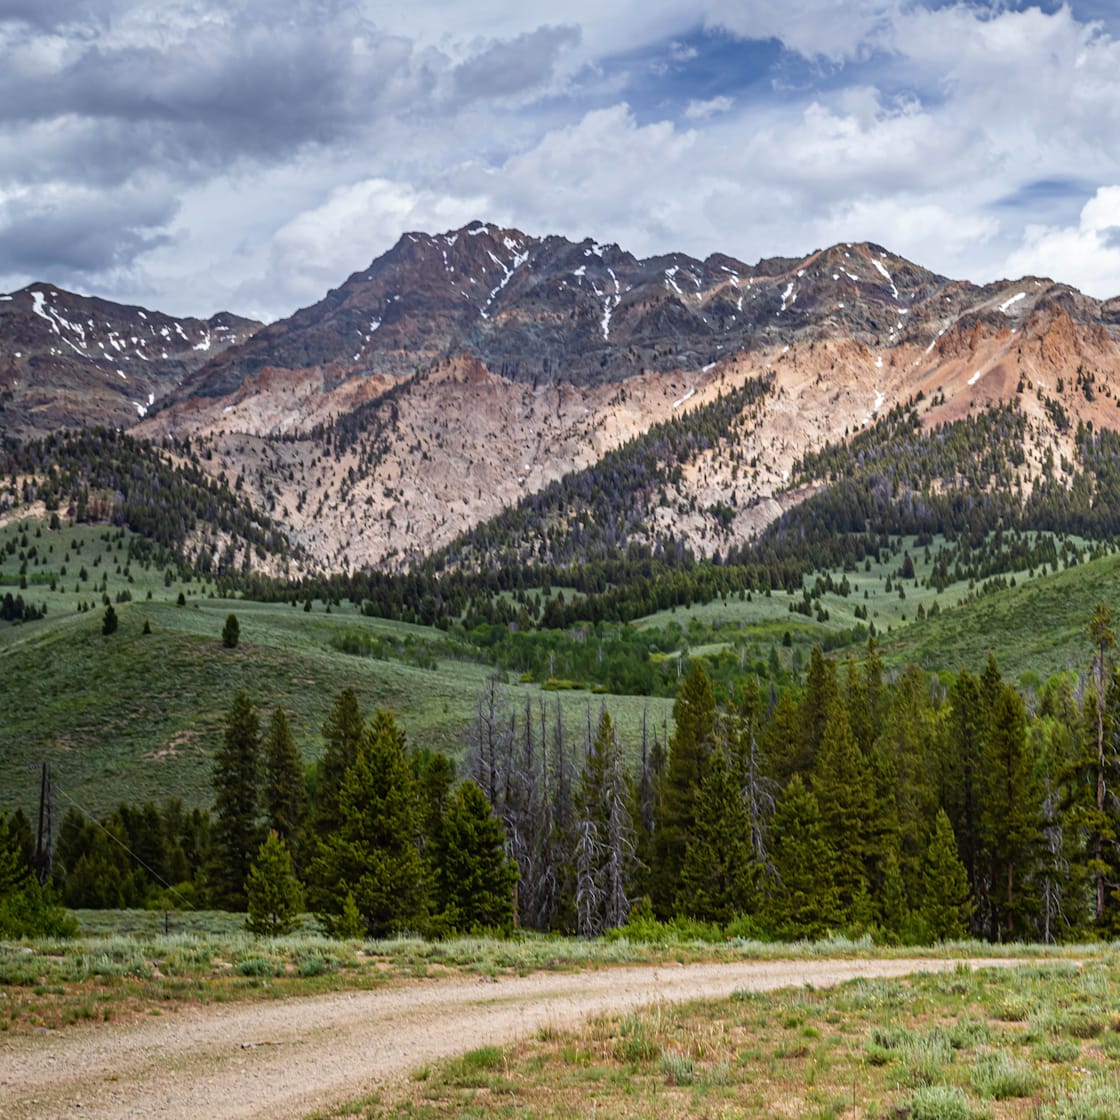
(266, 151)
(833, 29)
(701, 110)
(1086, 255)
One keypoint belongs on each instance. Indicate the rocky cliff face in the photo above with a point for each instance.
(72, 361)
(462, 372)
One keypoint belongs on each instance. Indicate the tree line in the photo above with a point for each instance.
(916, 808)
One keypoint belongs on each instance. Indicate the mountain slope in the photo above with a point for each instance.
(463, 373)
(68, 360)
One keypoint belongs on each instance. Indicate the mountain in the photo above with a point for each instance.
(463, 376)
(68, 360)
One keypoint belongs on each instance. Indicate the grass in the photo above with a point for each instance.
(796, 1053)
(131, 962)
(138, 715)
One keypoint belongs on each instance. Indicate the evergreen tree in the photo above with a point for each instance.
(285, 790)
(717, 878)
(893, 909)
(435, 777)
(803, 898)
(1102, 829)
(822, 690)
(342, 732)
(963, 770)
(694, 718)
(912, 736)
(783, 743)
(109, 621)
(1010, 817)
(946, 901)
(236, 781)
(844, 792)
(475, 879)
(374, 853)
(231, 632)
(24, 910)
(274, 894)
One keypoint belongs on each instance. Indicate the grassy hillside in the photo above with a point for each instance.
(135, 716)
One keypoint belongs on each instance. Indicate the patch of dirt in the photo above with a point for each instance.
(286, 1059)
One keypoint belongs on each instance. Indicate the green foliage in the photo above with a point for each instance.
(374, 853)
(109, 621)
(272, 890)
(1009, 820)
(231, 632)
(236, 804)
(803, 899)
(690, 748)
(285, 791)
(474, 878)
(946, 902)
(717, 878)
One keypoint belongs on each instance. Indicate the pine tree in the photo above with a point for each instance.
(274, 894)
(342, 732)
(109, 622)
(717, 878)
(374, 853)
(803, 898)
(946, 902)
(236, 781)
(231, 632)
(893, 909)
(962, 772)
(822, 690)
(844, 792)
(694, 718)
(1103, 832)
(285, 791)
(475, 878)
(1010, 816)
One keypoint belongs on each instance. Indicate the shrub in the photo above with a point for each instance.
(939, 1102)
(998, 1076)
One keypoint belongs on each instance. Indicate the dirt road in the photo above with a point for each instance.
(285, 1059)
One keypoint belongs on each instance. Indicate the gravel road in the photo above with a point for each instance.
(285, 1059)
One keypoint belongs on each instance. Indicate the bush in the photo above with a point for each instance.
(1000, 1077)
(939, 1102)
(255, 966)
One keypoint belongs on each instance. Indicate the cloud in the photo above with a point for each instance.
(65, 234)
(701, 110)
(505, 68)
(1086, 255)
(253, 154)
(320, 247)
(831, 29)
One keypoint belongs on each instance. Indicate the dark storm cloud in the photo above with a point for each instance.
(66, 239)
(240, 86)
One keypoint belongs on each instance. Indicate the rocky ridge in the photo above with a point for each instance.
(68, 360)
(463, 372)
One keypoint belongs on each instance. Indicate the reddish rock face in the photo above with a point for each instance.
(463, 372)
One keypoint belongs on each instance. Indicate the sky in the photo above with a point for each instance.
(247, 155)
